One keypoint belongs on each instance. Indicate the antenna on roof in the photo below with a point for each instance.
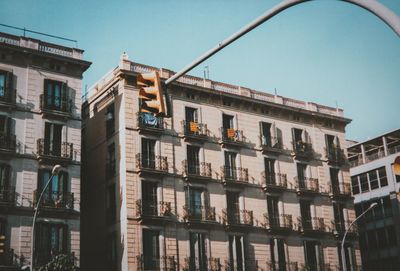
(276, 92)
(206, 72)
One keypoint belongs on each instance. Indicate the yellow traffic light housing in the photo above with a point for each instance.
(2, 243)
(396, 166)
(151, 94)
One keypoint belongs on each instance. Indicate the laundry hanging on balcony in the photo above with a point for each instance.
(149, 119)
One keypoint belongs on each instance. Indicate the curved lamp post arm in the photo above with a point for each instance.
(345, 234)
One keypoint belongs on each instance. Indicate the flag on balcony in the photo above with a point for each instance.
(231, 133)
(149, 119)
(194, 127)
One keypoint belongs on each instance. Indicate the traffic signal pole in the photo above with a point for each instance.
(385, 14)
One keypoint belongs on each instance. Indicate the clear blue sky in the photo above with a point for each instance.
(324, 51)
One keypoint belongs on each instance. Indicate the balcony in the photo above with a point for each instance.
(7, 144)
(55, 106)
(164, 263)
(335, 156)
(8, 260)
(152, 211)
(55, 200)
(277, 266)
(311, 226)
(339, 228)
(196, 172)
(307, 186)
(7, 98)
(7, 195)
(151, 166)
(242, 220)
(302, 150)
(281, 223)
(340, 191)
(194, 131)
(232, 138)
(249, 265)
(53, 151)
(148, 123)
(198, 215)
(233, 175)
(273, 182)
(271, 145)
(194, 263)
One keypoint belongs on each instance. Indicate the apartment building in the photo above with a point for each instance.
(40, 124)
(373, 180)
(235, 179)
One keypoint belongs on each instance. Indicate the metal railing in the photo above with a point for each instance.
(335, 155)
(8, 142)
(195, 264)
(302, 148)
(46, 147)
(191, 128)
(203, 169)
(232, 135)
(61, 104)
(271, 142)
(55, 199)
(7, 195)
(280, 221)
(340, 189)
(159, 163)
(278, 266)
(7, 95)
(276, 179)
(198, 212)
(146, 120)
(152, 208)
(313, 224)
(307, 184)
(244, 217)
(235, 174)
(164, 263)
(341, 226)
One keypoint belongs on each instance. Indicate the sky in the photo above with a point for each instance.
(324, 51)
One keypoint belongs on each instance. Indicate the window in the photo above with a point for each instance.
(297, 135)
(149, 198)
(192, 125)
(278, 258)
(382, 176)
(269, 165)
(228, 130)
(354, 185)
(194, 202)
(51, 239)
(349, 256)
(5, 171)
(373, 179)
(227, 121)
(52, 139)
(111, 166)
(148, 153)
(232, 199)
(55, 95)
(301, 174)
(364, 182)
(273, 211)
(266, 137)
(339, 217)
(5, 126)
(5, 85)
(191, 114)
(193, 160)
(198, 256)
(57, 194)
(236, 253)
(230, 165)
(313, 255)
(334, 174)
(151, 249)
(110, 120)
(305, 212)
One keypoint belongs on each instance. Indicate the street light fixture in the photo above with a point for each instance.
(54, 172)
(374, 204)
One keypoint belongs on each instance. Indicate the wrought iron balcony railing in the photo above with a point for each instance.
(8, 142)
(164, 263)
(232, 135)
(7, 195)
(283, 221)
(244, 217)
(235, 174)
(147, 120)
(273, 180)
(340, 227)
(195, 264)
(153, 208)
(313, 224)
(335, 155)
(198, 212)
(194, 129)
(55, 199)
(202, 170)
(7, 95)
(60, 104)
(55, 149)
(302, 149)
(158, 163)
(340, 189)
(278, 266)
(270, 144)
(307, 184)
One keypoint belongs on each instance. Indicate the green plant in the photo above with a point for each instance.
(61, 262)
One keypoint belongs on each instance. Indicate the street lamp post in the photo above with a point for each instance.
(345, 234)
(55, 171)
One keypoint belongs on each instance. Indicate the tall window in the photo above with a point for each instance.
(110, 120)
(270, 171)
(191, 114)
(227, 121)
(51, 239)
(230, 165)
(278, 258)
(191, 125)
(313, 255)
(382, 176)
(266, 137)
(193, 159)
(56, 193)
(5, 84)
(5, 125)
(334, 174)
(198, 257)
(5, 171)
(149, 197)
(228, 131)
(273, 211)
(373, 179)
(194, 202)
(301, 174)
(52, 139)
(233, 210)
(236, 253)
(55, 94)
(339, 216)
(151, 249)
(305, 211)
(111, 164)
(148, 153)
(355, 186)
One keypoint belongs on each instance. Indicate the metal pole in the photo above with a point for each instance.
(385, 14)
(345, 234)
(55, 171)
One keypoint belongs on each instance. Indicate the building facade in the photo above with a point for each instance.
(236, 179)
(373, 180)
(40, 124)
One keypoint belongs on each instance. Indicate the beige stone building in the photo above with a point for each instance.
(236, 179)
(40, 126)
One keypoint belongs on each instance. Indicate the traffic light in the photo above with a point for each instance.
(2, 243)
(396, 166)
(151, 93)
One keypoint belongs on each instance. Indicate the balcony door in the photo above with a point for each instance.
(305, 212)
(230, 165)
(339, 216)
(55, 195)
(334, 174)
(193, 159)
(236, 253)
(194, 202)
(301, 175)
(269, 165)
(51, 239)
(266, 134)
(273, 210)
(233, 210)
(278, 256)
(5, 189)
(198, 256)
(55, 94)
(227, 121)
(5, 85)
(313, 255)
(149, 197)
(52, 139)
(191, 115)
(151, 249)
(148, 153)
(5, 126)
